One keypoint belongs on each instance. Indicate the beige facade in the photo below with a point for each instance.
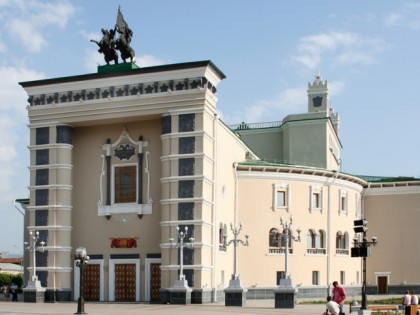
(122, 157)
(392, 209)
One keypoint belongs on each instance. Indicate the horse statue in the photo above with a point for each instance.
(107, 46)
(123, 43)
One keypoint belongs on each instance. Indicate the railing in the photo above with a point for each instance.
(245, 126)
(342, 251)
(316, 251)
(278, 250)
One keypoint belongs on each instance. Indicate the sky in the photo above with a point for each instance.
(269, 50)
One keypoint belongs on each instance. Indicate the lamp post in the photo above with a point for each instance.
(235, 294)
(235, 241)
(34, 248)
(34, 292)
(181, 235)
(81, 259)
(285, 235)
(362, 249)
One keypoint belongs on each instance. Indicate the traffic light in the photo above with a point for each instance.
(360, 226)
(360, 251)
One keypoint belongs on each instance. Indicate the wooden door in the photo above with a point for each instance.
(383, 285)
(155, 282)
(125, 282)
(91, 282)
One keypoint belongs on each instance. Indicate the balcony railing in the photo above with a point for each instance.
(341, 251)
(279, 250)
(261, 125)
(316, 251)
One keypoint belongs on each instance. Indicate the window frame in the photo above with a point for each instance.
(114, 184)
(318, 205)
(284, 189)
(343, 201)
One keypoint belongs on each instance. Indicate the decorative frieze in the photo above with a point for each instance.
(155, 87)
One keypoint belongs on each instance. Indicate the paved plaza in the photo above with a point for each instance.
(263, 307)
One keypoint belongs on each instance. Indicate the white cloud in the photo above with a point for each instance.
(339, 48)
(27, 21)
(393, 19)
(408, 16)
(32, 39)
(149, 60)
(289, 101)
(13, 129)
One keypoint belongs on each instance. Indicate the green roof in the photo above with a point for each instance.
(384, 179)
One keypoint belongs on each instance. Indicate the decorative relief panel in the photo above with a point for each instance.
(186, 189)
(41, 197)
(167, 86)
(64, 134)
(41, 177)
(186, 145)
(41, 219)
(42, 157)
(186, 122)
(186, 211)
(166, 124)
(124, 151)
(42, 135)
(186, 166)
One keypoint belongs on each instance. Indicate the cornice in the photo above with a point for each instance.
(395, 190)
(300, 177)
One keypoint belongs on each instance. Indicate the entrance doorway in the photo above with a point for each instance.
(91, 278)
(382, 285)
(155, 283)
(125, 282)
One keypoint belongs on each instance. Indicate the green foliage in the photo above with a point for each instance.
(8, 278)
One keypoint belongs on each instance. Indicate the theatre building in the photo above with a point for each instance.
(122, 157)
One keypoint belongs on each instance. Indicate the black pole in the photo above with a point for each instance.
(81, 300)
(364, 306)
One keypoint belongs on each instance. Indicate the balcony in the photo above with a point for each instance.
(342, 251)
(279, 250)
(316, 251)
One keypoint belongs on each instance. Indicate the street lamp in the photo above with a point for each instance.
(81, 259)
(235, 242)
(362, 249)
(278, 237)
(34, 248)
(181, 235)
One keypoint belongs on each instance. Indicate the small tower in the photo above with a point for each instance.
(318, 100)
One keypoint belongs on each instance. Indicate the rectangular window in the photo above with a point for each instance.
(281, 196)
(342, 277)
(125, 184)
(281, 199)
(315, 277)
(316, 200)
(343, 200)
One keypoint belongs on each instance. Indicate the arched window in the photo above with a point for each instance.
(311, 239)
(321, 239)
(221, 234)
(272, 240)
(340, 241)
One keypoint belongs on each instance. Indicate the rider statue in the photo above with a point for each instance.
(109, 46)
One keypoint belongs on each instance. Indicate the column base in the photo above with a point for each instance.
(34, 292)
(284, 297)
(180, 293)
(235, 294)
